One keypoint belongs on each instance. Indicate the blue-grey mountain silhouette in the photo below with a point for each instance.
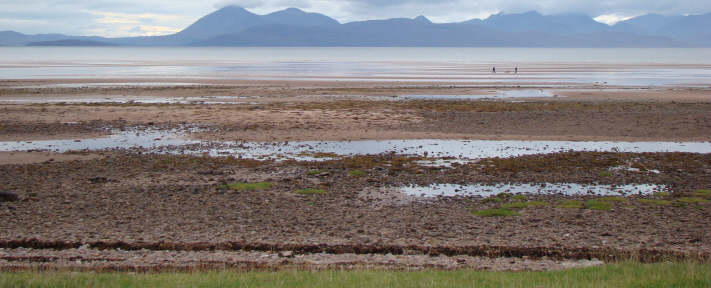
(235, 26)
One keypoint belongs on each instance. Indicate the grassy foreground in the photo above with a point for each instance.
(614, 275)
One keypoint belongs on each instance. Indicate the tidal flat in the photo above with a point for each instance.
(577, 180)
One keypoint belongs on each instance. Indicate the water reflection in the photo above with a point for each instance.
(176, 142)
(545, 188)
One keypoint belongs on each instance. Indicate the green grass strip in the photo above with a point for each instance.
(626, 274)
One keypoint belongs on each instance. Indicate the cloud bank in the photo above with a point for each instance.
(116, 18)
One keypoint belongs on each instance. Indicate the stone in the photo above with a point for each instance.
(9, 196)
(286, 254)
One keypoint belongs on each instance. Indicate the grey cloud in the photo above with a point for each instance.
(75, 16)
(136, 29)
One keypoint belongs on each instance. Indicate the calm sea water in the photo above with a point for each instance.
(565, 65)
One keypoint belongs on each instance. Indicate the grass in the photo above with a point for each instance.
(491, 199)
(702, 193)
(661, 194)
(316, 172)
(356, 173)
(248, 186)
(604, 174)
(625, 274)
(495, 213)
(611, 199)
(310, 191)
(571, 204)
(523, 204)
(520, 197)
(693, 200)
(598, 205)
(656, 202)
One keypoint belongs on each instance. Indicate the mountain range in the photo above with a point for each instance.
(235, 26)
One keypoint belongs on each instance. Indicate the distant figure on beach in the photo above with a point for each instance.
(493, 70)
(516, 70)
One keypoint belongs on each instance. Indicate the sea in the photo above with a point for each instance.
(613, 66)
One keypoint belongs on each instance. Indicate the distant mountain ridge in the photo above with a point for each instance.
(416, 33)
(235, 26)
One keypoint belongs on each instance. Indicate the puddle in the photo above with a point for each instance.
(547, 188)
(497, 95)
(241, 100)
(531, 93)
(174, 141)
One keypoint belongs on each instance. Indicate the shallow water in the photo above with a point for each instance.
(447, 65)
(174, 141)
(545, 188)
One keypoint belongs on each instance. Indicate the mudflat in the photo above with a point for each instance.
(135, 199)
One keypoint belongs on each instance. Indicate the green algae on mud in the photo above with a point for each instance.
(248, 186)
(495, 213)
(624, 274)
(656, 202)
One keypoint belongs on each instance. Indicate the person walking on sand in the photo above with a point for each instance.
(516, 70)
(493, 70)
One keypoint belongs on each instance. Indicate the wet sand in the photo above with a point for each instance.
(134, 200)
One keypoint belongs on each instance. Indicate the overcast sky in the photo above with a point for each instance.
(118, 18)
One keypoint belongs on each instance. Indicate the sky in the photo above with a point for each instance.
(123, 18)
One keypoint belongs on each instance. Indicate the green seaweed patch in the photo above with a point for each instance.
(491, 199)
(699, 208)
(604, 174)
(571, 204)
(503, 195)
(661, 194)
(316, 172)
(597, 205)
(524, 204)
(679, 204)
(702, 193)
(247, 186)
(495, 213)
(656, 202)
(611, 199)
(692, 200)
(520, 197)
(310, 191)
(356, 173)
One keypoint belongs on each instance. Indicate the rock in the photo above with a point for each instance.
(286, 254)
(9, 196)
